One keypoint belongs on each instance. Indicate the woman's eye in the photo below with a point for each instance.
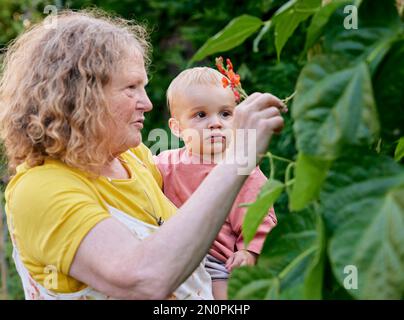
(132, 87)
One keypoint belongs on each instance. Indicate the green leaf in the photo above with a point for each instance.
(310, 173)
(288, 18)
(333, 108)
(290, 265)
(332, 289)
(378, 27)
(258, 38)
(399, 153)
(319, 21)
(234, 34)
(259, 209)
(363, 201)
(256, 282)
(388, 86)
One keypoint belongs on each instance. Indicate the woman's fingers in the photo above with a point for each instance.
(252, 97)
(275, 123)
(255, 120)
(268, 113)
(259, 101)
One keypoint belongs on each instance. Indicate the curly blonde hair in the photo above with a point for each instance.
(52, 88)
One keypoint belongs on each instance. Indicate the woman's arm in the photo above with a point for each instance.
(111, 260)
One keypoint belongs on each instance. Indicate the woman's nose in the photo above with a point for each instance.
(144, 103)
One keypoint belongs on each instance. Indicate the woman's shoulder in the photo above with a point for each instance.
(141, 151)
(46, 179)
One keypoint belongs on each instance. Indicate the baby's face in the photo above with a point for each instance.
(205, 116)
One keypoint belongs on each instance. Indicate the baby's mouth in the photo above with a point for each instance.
(217, 138)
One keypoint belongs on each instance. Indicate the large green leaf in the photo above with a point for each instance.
(388, 84)
(363, 201)
(310, 173)
(256, 282)
(319, 21)
(234, 34)
(290, 265)
(378, 27)
(333, 108)
(288, 18)
(259, 209)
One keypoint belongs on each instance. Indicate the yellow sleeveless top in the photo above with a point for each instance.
(53, 206)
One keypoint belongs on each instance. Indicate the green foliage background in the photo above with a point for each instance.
(178, 30)
(345, 188)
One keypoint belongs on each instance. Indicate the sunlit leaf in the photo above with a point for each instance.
(259, 209)
(234, 34)
(310, 173)
(399, 152)
(288, 18)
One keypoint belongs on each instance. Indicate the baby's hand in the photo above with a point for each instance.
(241, 258)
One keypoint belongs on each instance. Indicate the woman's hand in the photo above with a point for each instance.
(255, 120)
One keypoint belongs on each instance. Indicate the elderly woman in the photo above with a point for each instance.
(84, 205)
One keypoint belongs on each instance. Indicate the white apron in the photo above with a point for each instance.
(197, 286)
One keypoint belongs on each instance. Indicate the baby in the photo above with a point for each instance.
(202, 115)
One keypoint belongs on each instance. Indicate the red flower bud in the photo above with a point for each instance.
(229, 65)
(219, 65)
(232, 79)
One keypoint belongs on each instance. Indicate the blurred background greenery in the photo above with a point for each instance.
(178, 29)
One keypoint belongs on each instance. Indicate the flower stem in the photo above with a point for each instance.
(288, 180)
(269, 154)
(287, 99)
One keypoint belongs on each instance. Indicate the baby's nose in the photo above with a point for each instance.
(215, 123)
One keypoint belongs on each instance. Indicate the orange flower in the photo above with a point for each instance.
(225, 82)
(234, 78)
(231, 78)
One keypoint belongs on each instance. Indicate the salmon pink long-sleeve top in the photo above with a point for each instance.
(182, 174)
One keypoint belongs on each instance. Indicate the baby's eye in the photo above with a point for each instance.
(226, 114)
(200, 114)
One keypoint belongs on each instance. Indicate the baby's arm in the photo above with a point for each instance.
(249, 255)
(240, 258)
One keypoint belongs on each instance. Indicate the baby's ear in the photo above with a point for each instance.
(174, 127)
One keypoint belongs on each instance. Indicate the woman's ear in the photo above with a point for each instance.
(174, 127)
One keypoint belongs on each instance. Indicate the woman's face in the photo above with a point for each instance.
(128, 101)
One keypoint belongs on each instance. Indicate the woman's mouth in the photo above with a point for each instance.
(138, 123)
